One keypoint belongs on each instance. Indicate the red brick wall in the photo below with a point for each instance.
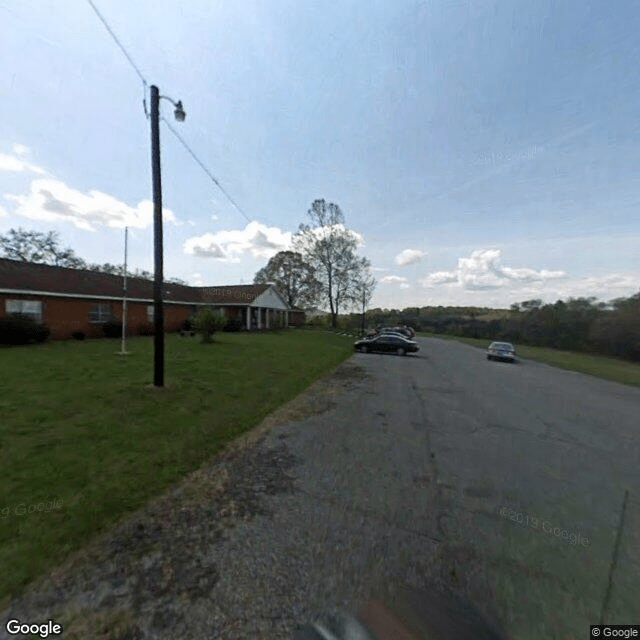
(66, 315)
(296, 318)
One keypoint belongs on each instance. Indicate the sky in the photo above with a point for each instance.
(487, 152)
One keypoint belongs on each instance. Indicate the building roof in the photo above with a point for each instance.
(28, 276)
(239, 293)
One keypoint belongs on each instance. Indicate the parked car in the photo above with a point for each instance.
(411, 331)
(405, 331)
(501, 351)
(388, 332)
(387, 343)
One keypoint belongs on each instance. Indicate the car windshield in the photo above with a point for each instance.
(501, 345)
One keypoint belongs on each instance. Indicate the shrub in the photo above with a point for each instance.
(146, 329)
(207, 323)
(233, 325)
(78, 335)
(112, 329)
(41, 333)
(17, 329)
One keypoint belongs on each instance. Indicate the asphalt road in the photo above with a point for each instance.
(507, 482)
(515, 485)
(522, 454)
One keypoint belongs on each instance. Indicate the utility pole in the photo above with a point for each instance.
(158, 312)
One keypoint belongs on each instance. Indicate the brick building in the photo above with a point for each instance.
(70, 300)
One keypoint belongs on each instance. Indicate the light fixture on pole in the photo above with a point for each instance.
(158, 312)
(123, 351)
(178, 111)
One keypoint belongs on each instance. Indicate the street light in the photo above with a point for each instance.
(179, 111)
(158, 311)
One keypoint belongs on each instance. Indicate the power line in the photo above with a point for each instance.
(204, 168)
(175, 133)
(113, 35)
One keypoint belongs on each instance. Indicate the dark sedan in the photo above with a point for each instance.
(387, 344)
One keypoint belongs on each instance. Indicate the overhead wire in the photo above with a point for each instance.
(144, 102)
(204, 168)
(115, 38)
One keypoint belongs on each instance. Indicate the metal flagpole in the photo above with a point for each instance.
(123, 352)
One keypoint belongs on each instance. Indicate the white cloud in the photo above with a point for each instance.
(197, 280)
(21, 150)
(52, 200)
(379, 269)
(608, 287)
(482, 270)
(13, 163)
(256, 238)
(439, 277)
(395, 280)
(409, 256)
(3, 211)
(214, 216)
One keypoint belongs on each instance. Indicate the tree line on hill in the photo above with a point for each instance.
(578, 324)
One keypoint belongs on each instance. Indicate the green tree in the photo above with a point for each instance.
(330, 248)
(294, 278)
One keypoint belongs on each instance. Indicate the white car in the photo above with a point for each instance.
(501, 351)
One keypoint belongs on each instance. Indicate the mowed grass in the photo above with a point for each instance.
(600, 366)
(85, 426)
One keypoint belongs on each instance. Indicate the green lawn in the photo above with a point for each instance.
(84, 426)
(600, 366)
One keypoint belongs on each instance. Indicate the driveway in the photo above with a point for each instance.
(513, 484)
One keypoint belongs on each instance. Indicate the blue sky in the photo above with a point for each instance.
(487, 152)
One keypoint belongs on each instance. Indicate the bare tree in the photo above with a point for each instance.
(294, 277)
(363, 287)
(42, 248)
(330, 248)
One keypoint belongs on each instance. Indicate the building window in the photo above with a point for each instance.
(30, 308)
(100, 313)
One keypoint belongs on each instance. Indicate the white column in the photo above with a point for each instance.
(248, 318)
(266, 317)
(259, 318)
(286, 318)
